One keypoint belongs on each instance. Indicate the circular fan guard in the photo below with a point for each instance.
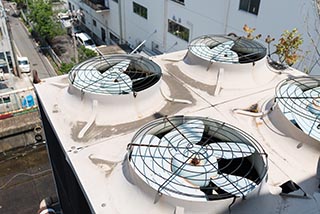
(227, 49)
(197, 158)
(299, 100)
(115, 74)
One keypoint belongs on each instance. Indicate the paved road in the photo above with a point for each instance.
(25, 179)
(25, 173)
(25, 46)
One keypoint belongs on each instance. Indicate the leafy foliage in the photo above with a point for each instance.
(66, 67)
(40, 14)
(288, 47)
(268, 40)
(250, 32)
(85, 53)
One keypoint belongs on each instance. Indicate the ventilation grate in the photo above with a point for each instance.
(115, 75)
(197, 159)
(299, 100)
(227, 49)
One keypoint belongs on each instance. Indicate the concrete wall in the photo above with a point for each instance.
(19, 131)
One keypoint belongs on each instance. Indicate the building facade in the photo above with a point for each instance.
(169, 25)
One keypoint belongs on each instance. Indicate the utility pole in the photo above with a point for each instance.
(74, 18)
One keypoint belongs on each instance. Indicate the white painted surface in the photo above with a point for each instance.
(107, 184)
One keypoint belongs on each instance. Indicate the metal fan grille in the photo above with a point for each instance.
(159, 165)
(94, 76)
(217, 48)
(299, 100)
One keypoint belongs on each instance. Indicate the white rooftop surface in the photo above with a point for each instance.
(95, 135)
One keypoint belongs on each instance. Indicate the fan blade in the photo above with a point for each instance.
(201, 50)
(119, 67)
(149, 148)
(229, 150)
(306, 113)
(86, 76)
(116, 82)
(199, 173)
(188, 132)
(152, 162)
(235, 185)
(285, 95)
(223, 53)
(147, 154)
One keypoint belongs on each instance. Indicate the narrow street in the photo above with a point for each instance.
(25, 172)
(24, 45)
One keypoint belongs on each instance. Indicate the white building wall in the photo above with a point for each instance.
(206, 17)
(109, 20)
(276, 16)
(137, 28)
(112, 19)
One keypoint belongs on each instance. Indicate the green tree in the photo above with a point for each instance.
(85, 53)
(40, 14)
(65, 67)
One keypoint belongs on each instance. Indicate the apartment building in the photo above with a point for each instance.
(6, 60)
(168, 25)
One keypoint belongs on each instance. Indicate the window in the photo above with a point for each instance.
(178, 30)
(251, 6)
(140, 10)
(179, 1)
(114, 38)
(5, 100)
(94, 22)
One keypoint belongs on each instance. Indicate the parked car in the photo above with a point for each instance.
(24, 64)
(85, 40)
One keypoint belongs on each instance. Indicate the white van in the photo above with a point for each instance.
(85, 40)
(24, 64)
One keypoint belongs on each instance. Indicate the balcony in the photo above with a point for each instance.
(97, 5)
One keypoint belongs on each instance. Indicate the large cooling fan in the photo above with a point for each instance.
(116, 74)
(227, 49)
(197, 159)
(299, 100)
